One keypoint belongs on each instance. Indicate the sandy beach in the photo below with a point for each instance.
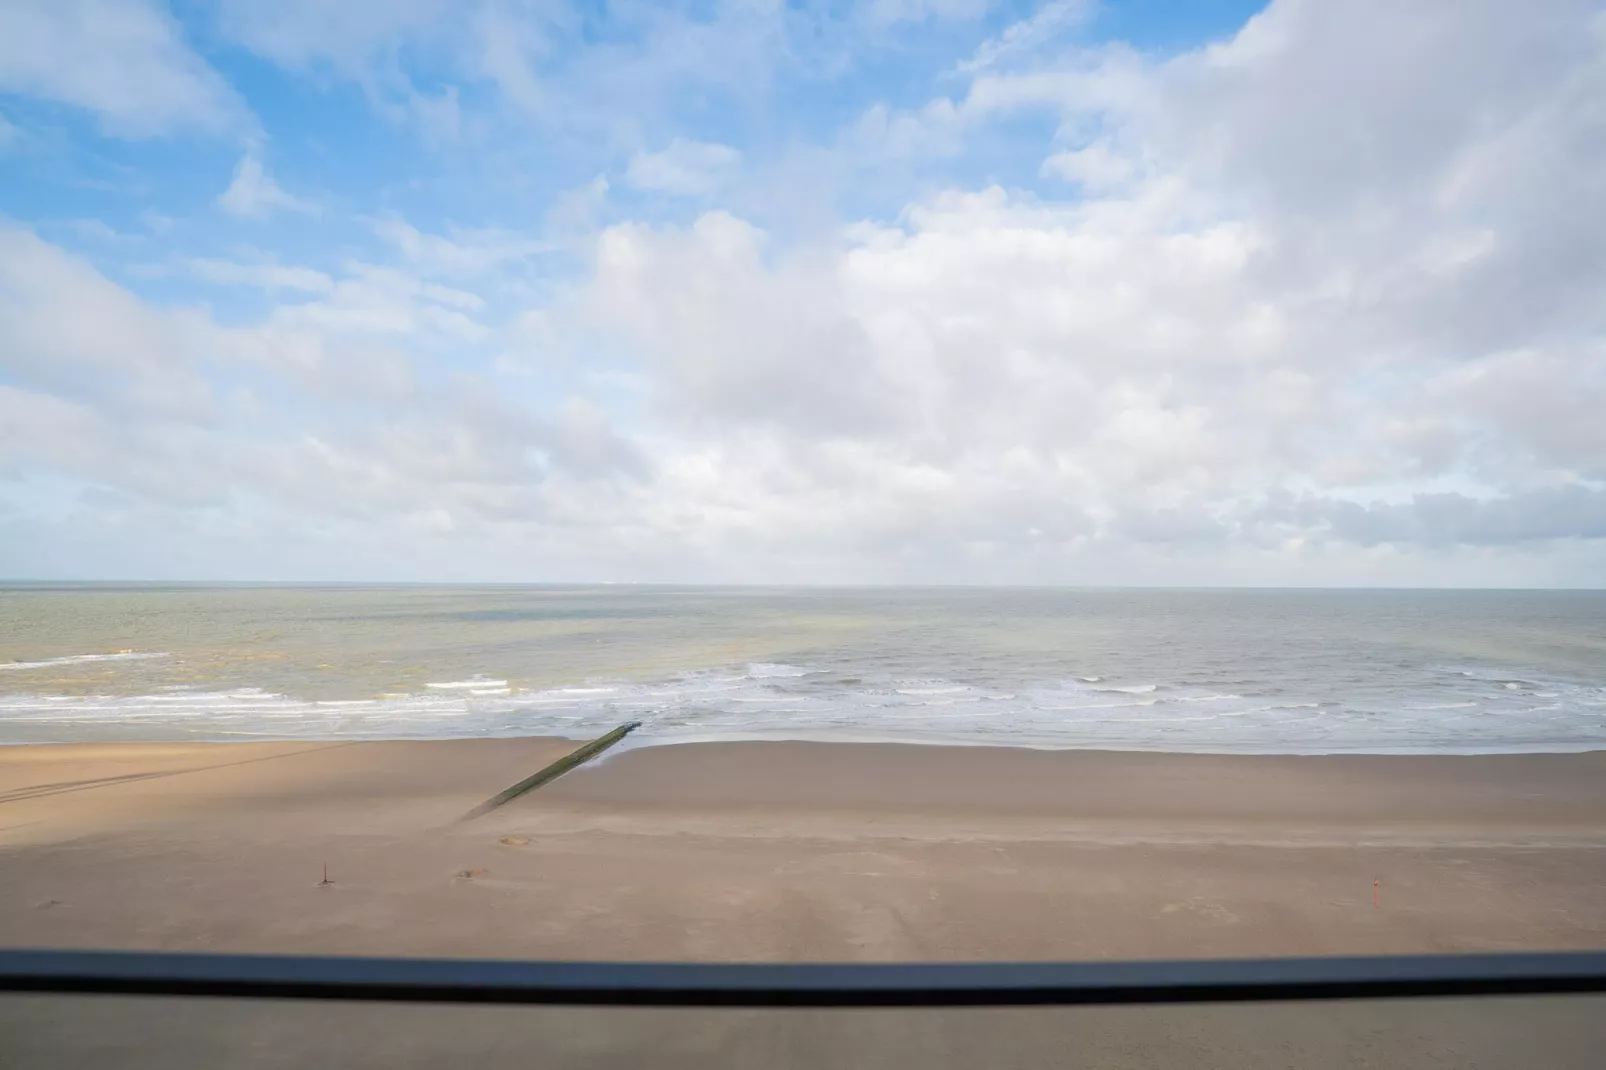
(785, 851)
(797, 851)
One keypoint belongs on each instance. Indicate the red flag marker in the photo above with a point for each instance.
(1375, 883)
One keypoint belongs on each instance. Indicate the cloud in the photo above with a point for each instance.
(996, 378)
(252, 194)
(730, 341)
(539, 60)
(70, 331)
(1322, 306)
(1096, 168)
(124, 60)
(505, 52)
(346, 35)
(689, 168)
(265, 276)
(440, 118)
(97, 231)
(1021, 38)
(883, 133)
(1569, 512)
(890, 12)
(373, 299)
(156, 222)
(462, 252)
(108, 391)
(989, 369)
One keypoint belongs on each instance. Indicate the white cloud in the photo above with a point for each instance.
(346, 35)
(989, 368)
(107, 390)
(729, 341)
(97, 231)
(264, 275)
(124, 60)
(505, 50)
(68, 329)
(371, 299)
(689, 168)
(890, 12)
(378, 44)
(156, 222)
(1096, 168)
(1023, 37)
(440, 118)
(535, 56)
(998, 384)
(573, 213)
(462, 252)
(253, 194)
(881, 132)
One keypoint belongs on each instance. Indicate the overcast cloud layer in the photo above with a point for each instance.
(922, 291)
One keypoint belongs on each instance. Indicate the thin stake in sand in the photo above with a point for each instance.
(578, 756)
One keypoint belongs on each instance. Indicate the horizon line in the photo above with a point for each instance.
(18, 582)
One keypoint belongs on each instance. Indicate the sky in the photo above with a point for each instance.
(737, 291)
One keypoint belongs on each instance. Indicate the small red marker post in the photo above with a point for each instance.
(1375, 882)
(326, 879)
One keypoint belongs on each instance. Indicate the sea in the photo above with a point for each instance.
(1288, 671)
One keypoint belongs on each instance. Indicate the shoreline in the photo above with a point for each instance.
(645, 741)
(869, 739)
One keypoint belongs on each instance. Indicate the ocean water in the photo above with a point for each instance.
(1224, 671)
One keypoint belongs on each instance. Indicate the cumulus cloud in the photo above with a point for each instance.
(123, 60)
(1276, 282)
(729, 341)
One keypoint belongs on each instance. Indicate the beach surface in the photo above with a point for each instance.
(776, 851)
(788, 851)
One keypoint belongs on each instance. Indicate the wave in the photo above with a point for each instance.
(766, 670)
(771, 701)
(82, 659)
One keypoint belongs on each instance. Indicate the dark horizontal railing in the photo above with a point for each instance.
(797, 985)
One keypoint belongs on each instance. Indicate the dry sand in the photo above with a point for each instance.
(797, 851)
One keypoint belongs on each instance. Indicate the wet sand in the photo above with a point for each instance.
(816, 852)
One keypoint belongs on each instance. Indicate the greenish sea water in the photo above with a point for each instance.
(1291, 671)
